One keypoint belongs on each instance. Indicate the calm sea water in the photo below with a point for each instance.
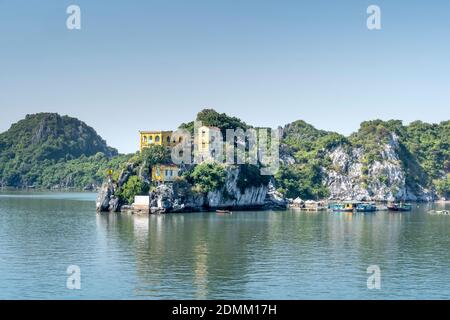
(248, 255)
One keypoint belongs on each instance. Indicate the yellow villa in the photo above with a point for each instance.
(205, 150)
(161, 138)
(165, 173)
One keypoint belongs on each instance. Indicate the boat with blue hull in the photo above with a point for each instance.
(366, 207)
(342, 207)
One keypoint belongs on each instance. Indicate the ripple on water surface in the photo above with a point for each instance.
(248, 255)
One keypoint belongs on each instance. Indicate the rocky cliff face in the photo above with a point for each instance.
(351, 178)
(179, 197)
(106, 199)
(381, 161)
(231, 196)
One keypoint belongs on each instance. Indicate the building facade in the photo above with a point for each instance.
(205, 146)
(165, 173)
(204, 150)
(161, 138)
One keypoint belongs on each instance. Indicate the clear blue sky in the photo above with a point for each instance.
(138, 65)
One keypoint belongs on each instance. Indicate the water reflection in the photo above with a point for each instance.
(249, 255)
(294, 254)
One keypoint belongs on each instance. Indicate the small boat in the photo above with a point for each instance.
(223, 212)
(442, 212)
(341, 207)
(366, 207)
(399, 206)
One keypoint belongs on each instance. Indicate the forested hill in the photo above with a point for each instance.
(40, 141)
(383, 160)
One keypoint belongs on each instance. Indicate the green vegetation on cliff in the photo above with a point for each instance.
(443, 186)
(49, 151)
(207, 176)
(308, 146)
(373, 135)
(46, 150)
(133, 187)
(212, 118)
(304, 181)
(422, 148)
(133, 175)
(84, 172)
(430, 144)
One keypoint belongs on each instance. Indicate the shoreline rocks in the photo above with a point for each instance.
(179, 197)
(106, 200)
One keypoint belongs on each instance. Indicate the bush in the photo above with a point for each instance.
(304, 181)
(443, 187)
(207, 176)
(135, 186)
(155, 155)
(212, 118)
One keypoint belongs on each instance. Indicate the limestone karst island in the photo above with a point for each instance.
(384, 165)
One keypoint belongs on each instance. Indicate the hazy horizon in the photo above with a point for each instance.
(150, 65)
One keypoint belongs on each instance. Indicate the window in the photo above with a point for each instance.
(158, 173)
(150, 139)
(144, 139)
(180, 139)
(157, 139)
(168, 139)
